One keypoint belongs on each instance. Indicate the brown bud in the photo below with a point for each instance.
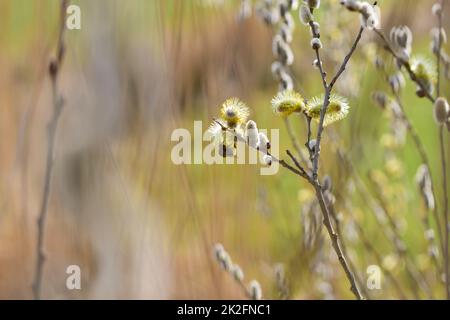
(53, 68)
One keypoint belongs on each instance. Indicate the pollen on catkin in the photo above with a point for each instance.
(287, 102)
(234, 112)
(338, 109)
(425, 72)
(223, 137)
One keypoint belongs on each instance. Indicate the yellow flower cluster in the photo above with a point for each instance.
(286, 103)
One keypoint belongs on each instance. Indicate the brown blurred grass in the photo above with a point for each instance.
(173, 62)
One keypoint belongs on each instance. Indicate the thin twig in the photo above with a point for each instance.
(335, 241)
(405, 64)
(300, 172)
(443, 161)
(445, 189)
(368, 197)
(379, 261)
(326, 102)
(347, 58)
(294, 140)
(337, 223)
(395, 237)
(315, 34)
(438, 55)
(424, 157)
(58, 104)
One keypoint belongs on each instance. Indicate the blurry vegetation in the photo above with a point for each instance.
(140, 226)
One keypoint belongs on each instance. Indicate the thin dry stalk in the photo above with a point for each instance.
(443, 160)
(428, 95)
(337, 224)
(58, 104)
(445, 189)
(403, 252)
(370, 248)
(425, 160)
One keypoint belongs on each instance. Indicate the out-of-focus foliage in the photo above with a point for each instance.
(140, 226)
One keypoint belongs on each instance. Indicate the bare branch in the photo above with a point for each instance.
(58, 104)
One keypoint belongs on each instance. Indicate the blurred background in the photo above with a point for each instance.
(141, 227)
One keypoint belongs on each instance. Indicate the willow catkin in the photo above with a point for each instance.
(441, 110)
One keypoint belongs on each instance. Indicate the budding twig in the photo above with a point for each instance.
(406, 64)
(335, 241)
(326, 102)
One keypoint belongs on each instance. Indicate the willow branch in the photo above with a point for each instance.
(326, 102)
(445, 189)
(405, 64)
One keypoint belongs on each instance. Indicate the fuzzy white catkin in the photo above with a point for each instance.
(226, 151)
(252, 134)
(352, 5)
(440, 110)
(286, 33)
(276, 68)
(286, 54)
(305, 15)
(218, 250)
(293, 4)
(312, 144)
(286, 81)
(429, 234)
(267, 160)
(436, 9)
(436, 36)
(326, 183)
(263, 143)
(402, 38)
(255, 290)
(276, 44)
(315, 30)
(316, 63)
(316, 43)
(370, 16)
(237, 272)
(313, 3)
(222, 256)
